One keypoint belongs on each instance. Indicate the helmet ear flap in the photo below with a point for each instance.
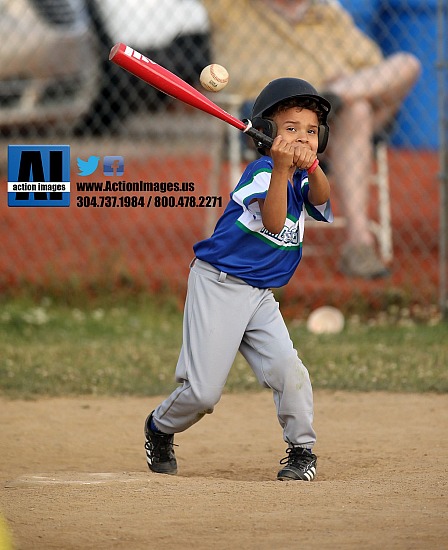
(267, 127)
(324, 132)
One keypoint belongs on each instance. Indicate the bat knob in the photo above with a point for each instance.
(262, 140)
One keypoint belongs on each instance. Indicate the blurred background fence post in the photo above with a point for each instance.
(443, 124)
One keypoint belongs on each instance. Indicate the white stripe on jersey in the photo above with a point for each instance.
(257, 187)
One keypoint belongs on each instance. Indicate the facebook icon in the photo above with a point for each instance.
(113, 166)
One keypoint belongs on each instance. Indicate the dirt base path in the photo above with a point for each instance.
(73, 476)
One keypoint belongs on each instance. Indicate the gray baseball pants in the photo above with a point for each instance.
(223, 314)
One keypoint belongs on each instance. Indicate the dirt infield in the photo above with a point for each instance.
(73, 476)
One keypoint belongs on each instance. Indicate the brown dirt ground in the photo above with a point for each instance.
(73, 475)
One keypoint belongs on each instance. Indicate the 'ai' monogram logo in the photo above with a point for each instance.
(38, 175)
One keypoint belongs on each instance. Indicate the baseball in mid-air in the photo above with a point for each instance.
(214, 77)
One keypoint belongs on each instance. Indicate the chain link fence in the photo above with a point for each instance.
(57, 86)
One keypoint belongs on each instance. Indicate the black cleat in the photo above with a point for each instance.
(300, 465)
(159, 450)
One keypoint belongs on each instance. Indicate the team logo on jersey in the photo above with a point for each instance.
(290, 237)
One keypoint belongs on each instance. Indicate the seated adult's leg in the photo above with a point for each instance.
(386, 83)
(350, 155)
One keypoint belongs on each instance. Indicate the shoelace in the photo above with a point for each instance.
(297, 456)
(162, 446)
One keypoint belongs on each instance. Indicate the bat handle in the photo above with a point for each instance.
(262, 139)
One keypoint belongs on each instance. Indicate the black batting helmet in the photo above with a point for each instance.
(287, 88)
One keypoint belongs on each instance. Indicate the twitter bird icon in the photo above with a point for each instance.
(87, 167)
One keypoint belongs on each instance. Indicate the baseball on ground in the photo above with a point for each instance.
(214, 77)
(326, 320)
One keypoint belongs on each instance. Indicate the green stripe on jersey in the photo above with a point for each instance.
(270, 239)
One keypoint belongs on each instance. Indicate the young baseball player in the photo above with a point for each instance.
(230, 307)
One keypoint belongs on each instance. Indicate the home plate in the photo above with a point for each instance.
(78, 478)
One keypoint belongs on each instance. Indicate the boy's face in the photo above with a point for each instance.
(298, 125)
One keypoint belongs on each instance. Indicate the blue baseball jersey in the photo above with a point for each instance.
(243, 247)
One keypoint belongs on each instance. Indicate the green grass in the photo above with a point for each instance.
(131, 349)
(390, 358)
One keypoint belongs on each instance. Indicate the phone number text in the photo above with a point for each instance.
(155, 201)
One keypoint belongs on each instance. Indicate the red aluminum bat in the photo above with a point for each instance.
(170, 84)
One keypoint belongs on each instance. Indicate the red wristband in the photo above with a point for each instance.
(313, 167)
